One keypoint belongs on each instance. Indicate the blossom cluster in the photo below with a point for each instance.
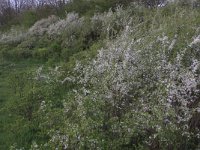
(41, 26)
(71, 22)
(14, 36)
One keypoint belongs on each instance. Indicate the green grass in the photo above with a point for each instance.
(7, 95)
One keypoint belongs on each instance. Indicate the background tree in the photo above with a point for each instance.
(6, 11)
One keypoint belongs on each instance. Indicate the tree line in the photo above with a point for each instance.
(12, 11)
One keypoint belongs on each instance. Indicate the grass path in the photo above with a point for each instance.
(6, 96)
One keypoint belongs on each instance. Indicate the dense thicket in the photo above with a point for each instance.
(102, 75)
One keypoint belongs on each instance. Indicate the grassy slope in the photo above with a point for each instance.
(7, 68)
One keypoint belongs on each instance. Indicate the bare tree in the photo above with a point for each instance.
(57, 3)
(6, 11)
(4, 4)
(18, 5)
(42, 2)
(28, 4)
